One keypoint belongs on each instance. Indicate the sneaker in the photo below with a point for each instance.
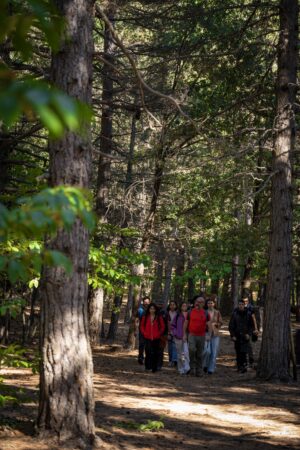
(205, 369)
(199, 373)
(209, 373)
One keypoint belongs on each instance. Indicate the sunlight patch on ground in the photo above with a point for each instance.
(264, 421)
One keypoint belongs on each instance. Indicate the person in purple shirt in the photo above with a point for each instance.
(183, 364)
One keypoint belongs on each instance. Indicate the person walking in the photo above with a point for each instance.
(241, 326)
(141, 312)
(152, 328)
(177, 326)
(251, 311)
(195, 327)
(213, 336)
(172, 312)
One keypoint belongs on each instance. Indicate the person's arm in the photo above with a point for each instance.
(255, 331)
(142, 326)
(161, 325)
(220, 320)
(185, 329)
(231, 328)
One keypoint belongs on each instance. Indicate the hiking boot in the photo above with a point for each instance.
(205, 369)
(192, 372)
(199, 373)
(141, 361)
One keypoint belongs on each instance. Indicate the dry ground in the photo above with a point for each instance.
(227, 410)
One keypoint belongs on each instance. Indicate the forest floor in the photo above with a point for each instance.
(225, 410)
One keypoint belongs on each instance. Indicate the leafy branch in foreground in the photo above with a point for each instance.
(23, 229)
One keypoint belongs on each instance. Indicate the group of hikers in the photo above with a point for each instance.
(192, 333)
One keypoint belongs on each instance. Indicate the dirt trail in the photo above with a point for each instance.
(226, 410)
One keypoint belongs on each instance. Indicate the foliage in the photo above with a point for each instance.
(150, 425)
(111, 268)
(22, 230)
(28, 95)
(14, 356)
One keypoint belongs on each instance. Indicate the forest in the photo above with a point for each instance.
(148, 150)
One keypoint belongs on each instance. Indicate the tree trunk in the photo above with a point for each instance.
(235, 282)
(226, 301)
(215, 285)
(179, 271)
(156, 290)
(113, 327)
(96, 301)
(168, 278)
(66, 407)
(160, 159)
(128, 312)
(104, 162)
(191, 262)
(274, 355)
(136, 298)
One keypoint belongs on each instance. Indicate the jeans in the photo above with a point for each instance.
(214, 348)
(172, 350)
(183, 360)
(196, 346)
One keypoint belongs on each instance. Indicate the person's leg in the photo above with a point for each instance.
(174, 351)
(148, 354)
(170, 350)
(155, 354)
(186, 365)
(214, 346)
(243, 358)
(141, 348)
(206, 355)
(199, 354)
(250, 353)
(238, 356)
(179, 348)
(192, 353)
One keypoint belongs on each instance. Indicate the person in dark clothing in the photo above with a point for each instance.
(141, 312)
(241, 326)
(152, 328)
(250, 309)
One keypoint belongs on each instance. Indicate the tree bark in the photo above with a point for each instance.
(179, 271)
(226, 302)
(168, 278)
(66, 407)
(96, 302)
(215, 285)
(274, 355)
(156, 290)
(235, 281)
(104, 162)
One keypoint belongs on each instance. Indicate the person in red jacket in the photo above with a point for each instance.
(152, 328)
